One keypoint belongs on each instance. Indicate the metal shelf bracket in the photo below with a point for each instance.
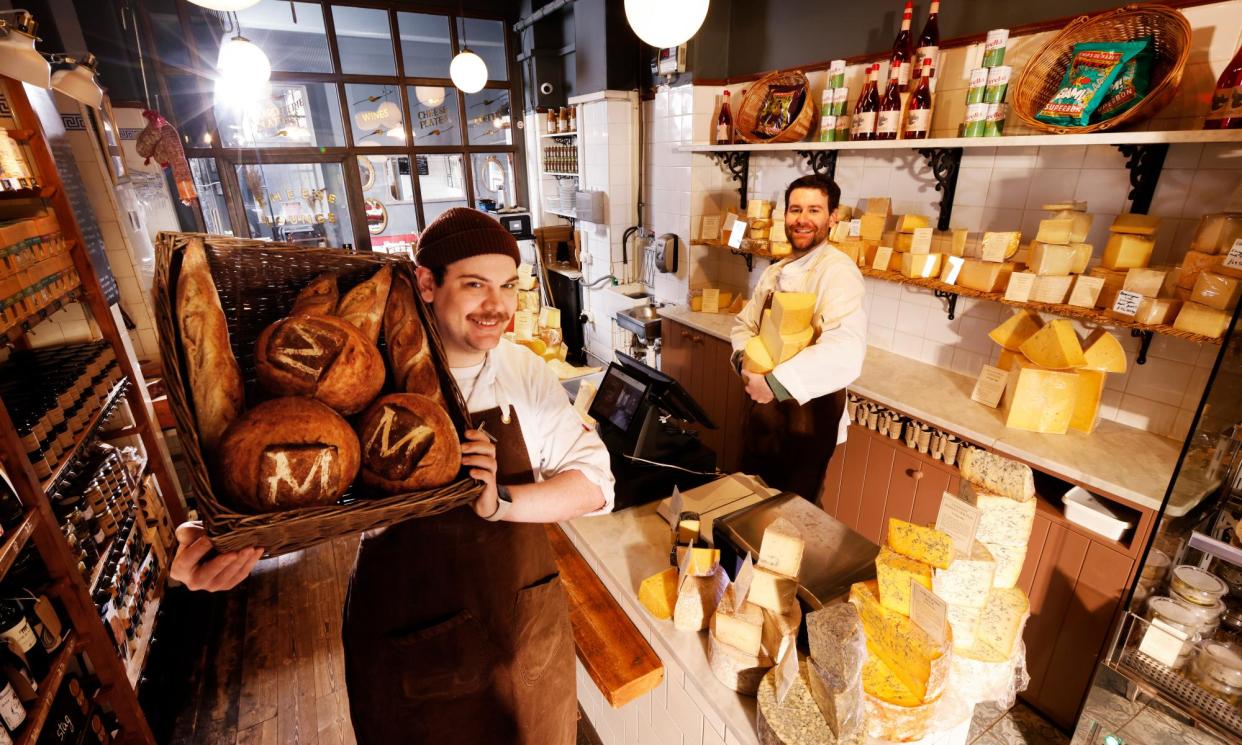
(748, 257)
(1146, 337)
(1145, 162)
(822, 162)
(944, 163)
(737, 163)
(951, 299)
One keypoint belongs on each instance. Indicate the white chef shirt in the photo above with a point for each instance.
(556, 439)
(835, 358)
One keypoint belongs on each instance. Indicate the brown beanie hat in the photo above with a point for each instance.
(460, 233)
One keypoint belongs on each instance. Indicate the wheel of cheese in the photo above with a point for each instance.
(977, 678)
(797, 721)
(897, 723)
(950, 724)
(734, 668)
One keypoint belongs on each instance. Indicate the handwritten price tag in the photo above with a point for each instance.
(1127, 303)
(855, 227)
(921, 241)
(1233, 259)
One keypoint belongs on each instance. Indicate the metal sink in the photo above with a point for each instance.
(637, 294)
(643, 320)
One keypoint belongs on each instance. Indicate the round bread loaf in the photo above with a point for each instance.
(324, 357)
(408, 443)
(288, 452)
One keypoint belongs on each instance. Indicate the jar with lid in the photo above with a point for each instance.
(573, 119)
(563, 127)
(1197, 585)
(1218, 669)
(1207, 616)
(553, 122)
(1174, 616)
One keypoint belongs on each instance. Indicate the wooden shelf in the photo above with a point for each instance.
(19, 135)
(558, 173)
(98, 418)
(133, 668)
(97, 572)
(23, 325)
(1104, 138)
(38, 192)
(15, 541)
(552, 135)
(48, 688)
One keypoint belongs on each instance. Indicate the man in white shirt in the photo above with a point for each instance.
(797, 411)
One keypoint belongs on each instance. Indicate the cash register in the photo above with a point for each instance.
(646, 420)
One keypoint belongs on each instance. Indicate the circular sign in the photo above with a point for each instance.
(377, 216)
(366, 172)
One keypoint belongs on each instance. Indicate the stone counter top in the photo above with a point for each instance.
(716, 324)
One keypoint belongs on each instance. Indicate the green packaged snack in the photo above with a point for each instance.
(1131, 84)
(1093, 68)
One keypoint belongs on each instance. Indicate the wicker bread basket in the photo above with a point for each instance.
(1041, 78)
(257, 282)
(757, 94)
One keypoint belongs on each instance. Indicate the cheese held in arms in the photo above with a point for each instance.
(784, 330)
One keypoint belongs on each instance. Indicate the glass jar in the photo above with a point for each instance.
(1207, 616)
(1218, 668)
(1156, 567)
(1197, 585)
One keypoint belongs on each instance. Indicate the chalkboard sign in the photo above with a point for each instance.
(75, 191)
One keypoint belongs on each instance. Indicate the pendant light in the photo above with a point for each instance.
(244, 71)
(468, 70)
(225, 6)
(665, 23)
(18, 57)
(75, 77)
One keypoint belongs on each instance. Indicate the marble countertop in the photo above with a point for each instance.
(717, 324)
(626, 547)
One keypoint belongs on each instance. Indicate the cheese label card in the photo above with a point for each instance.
(1086, 291)
(1127, 303)
(711, 300)
(928, 611)
(1233, 259)
(955, 264)
(524, 324)
(855, 227)
(683, 565)
(786, 669)
(994, 246)
(1020, 286)
(883, 255)
(960, 520)
(741, 585)
(1162, 642)
(737, 233)
(525, 271)
(709, 230)
(990, 386)
(676, 504)
(921, 242)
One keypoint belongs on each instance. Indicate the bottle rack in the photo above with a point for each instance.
(118, 677)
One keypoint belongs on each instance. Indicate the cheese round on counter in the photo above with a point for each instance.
(797, 721)
(977, 680)
(734, 668)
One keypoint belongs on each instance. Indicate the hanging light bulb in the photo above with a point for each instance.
(244, 72)
(429, 96)
(225, 5)
(75, 77)
(664, 24)
(468, 71)
(18, 57)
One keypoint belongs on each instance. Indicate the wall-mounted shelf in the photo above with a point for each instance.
(557, 135)
(560, 174)
(19, 328)
(1104, 138)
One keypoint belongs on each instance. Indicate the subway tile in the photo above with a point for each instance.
(1171, 193)
(1160, 380)
(1143, 413)
(1211, 190)
(1102, 156)
(1183, 155)
(1016, 157)
(907, 345)
(1050, 185)
(1103, 189)
(1067, 156)
(686, 714)
(884, 310)
(967, 362)
(940, 355)
(880, 337)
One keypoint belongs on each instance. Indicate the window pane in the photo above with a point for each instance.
(433, 114)
(293, 115)
(190, 98)
(375, 115)
(211, 196)
(442, 179)
(170, 43)
(487, 39)
(299, 45)
(297, 202)
(494, 185)
(425, 48)
(487, 117)
(388, 194)
(364, 41)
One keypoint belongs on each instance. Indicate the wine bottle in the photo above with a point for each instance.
(12, 712)
(1226, 107)
(867, 108)
(928, 45)
(889, 119)
(16, 631)
(724, 122)
(903, 51)
(918, 116)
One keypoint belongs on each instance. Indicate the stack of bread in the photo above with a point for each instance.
(784, 331)
(317, 365)
(1055, 380)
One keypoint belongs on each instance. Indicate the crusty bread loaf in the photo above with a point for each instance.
(319, 298)
(408, 442)
(215, 379)
(287, 452)
(409, 350)
(324, 357)
(363, 306)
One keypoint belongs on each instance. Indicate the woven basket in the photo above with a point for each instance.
(748, 111)
(257, 282)
(1041, 78)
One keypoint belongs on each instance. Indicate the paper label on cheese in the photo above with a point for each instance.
(1162, 642)
(711, 300)
(709, 229)
(855, 227)
(787, 668)
(524, 324)
(960, 520)
(745, 575)
(954, 268)
(1020, 286)
(921, 243)
(928, 611)
(990, 386)
(1233, 259)
(883, 255)
(737, 233)
(683, 566)
(1127, 303)
(996, 246)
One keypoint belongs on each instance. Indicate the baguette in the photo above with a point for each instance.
(409, 351)
(364, 305)
(214, 377)
(319, 298)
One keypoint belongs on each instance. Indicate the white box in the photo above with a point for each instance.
(1085, 509)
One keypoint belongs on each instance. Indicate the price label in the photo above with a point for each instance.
(1020, 286)
(954, 264)
(921, 241)
(676, 504)
(990, 386)
(1086, 291)
(741, 585)
(711, 300)
(883, 256)
(995, 245)
(1127, 303)
(786, 668)
(1233, 259)
(1163, 642)
(855, 227)
(960, 520)
(927, 611)
(709, 229)
(524, 324)
(737, 233)
(683, 565)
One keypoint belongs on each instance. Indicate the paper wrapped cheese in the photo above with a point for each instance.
(796, 721)
(918, 661)
(978, 678)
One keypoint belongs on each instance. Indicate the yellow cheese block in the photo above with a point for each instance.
(1082, 257)
(1216, 233)
(894, 573)
(1055, 346)
(781, 248)
(1086, 291)
(739, 302)
(740, 628)
(1087, 402)
(910, 223)
(920, 266)
(696, 303)
(1039, 400)
(1080, 224)
(1016, 329)
(958, 241)
(879, 680)
(688, 530)
(996, 242)
(781, 549)
(1125, 251)
(1001, 623)
(920, 543)
(1055, 230)
(1197, 318)
(782, 347)
(903, 242)
(773, 591)
(918, 661)
(985, 276)
(1145, 282)
(658, 594)
(1006, 358)
(1157, 310)
(879, 206)
(872, 226)
(755, 357)
(703, 560)
(792, 311)
(538, 346)
(1050, 258)
(1135, 224)
(1193, 264)
(1102, 351)
(726, 298)
(1052, 289)
(1216, 291)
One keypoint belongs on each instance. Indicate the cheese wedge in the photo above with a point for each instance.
(1135, 224)
(920, 266)
(894, 574)
(1001, 623)
(1216, 291)
(658, 594)
(967, 580)
(773, 591)
(1055, 230)
(797, 720)
(985, 276)
(702, 562)
(921, 543)
(688, 530)
(872, 226)
(879, 206)
(1001, 243)
(697, 600)
(1009, 562)
(740, 628)
(756, 358)
(780, 626)
(840, 701)
(1082, 257)
(1051, 288)
(963, 620)
(1039, 400)
(880, 681)
(1145, 282)
(1193, 264)
(1016, 329)
(836, 639)
(892, 722)
(734, 668)
(1197, 318)
(1005, 359)
(1049, 259)
(1002, 521)
(781, 549)
(997, 474)
(1157, 310)
(782, 347)
(919, 662)
(901, 242)
(1054, 346)
(1125, 251)
(1086, 291)
(792, 311)
(1080, 224)
(910, 223)
(1087, 403)
(1216, 233)
(1102, 351)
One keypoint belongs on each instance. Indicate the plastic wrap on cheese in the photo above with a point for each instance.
(977, 680)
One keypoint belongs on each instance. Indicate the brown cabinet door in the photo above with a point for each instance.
(852, 476)
(830, 495)
(736, 406)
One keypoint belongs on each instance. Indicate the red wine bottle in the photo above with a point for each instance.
(867, 108)
(724, 122)
(889, 119)
(928, 45)
(903, 51)
(1226, 106)
(918, 114)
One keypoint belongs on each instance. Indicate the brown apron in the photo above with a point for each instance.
(457, 629)
(789, 445)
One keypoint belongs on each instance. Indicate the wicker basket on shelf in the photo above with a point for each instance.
(752, 102)
(257, 282)
(1170, 38)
